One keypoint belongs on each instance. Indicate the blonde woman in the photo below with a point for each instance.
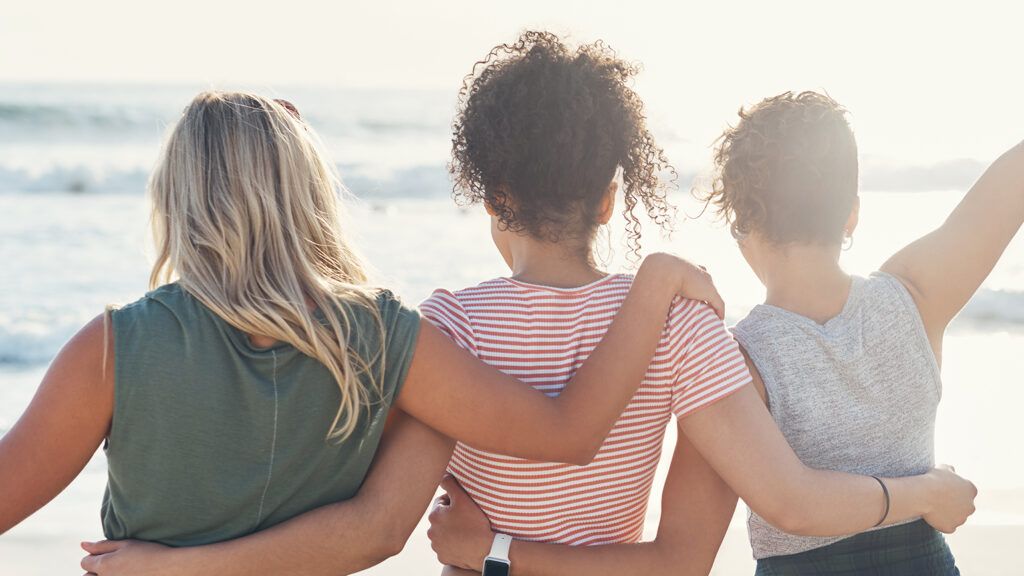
(257, 378)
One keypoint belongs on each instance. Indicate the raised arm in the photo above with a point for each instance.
(739, 439)
(696, 507)
(66, 420)
(463, 398)
(339, 538)
(943, 269)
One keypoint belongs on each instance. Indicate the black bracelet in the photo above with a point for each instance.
(885, 491)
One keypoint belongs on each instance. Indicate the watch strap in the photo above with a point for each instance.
(500, 547)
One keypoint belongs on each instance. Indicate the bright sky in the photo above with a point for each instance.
(925, 81)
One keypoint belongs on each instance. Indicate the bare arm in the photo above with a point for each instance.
(943, 269)
(696, 507)
(66, 420)
(739, 439)
(340, 538)
(461, 397)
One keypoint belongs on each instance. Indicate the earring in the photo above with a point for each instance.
(847, 241)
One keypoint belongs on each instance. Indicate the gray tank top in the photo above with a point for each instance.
(856, 394)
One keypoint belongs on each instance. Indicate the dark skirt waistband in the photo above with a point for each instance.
(909, 549)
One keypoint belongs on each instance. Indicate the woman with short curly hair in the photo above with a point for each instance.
(848, 366)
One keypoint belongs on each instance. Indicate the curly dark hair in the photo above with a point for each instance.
(787, 170)
(541, 131)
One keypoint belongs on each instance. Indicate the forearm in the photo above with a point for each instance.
(824, 503)
(648, 558)
(739, 439)
(341, 538)
(618, 364)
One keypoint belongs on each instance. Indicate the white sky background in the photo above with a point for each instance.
(924, 81)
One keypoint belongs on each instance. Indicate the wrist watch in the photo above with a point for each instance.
(497, 562)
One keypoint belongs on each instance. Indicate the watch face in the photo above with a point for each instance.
(495, 568)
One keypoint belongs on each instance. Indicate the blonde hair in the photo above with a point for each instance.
(245, 216)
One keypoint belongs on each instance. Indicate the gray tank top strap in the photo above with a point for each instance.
(856, 394)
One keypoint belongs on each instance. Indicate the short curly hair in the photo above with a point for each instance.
(787, 170)
(541, 132)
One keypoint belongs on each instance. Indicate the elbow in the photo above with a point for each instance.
(583, 453)
(394, 543)
(787, 513)
(790, 522)
(389, 544)
(578, 447)
(792, 517)
(389, 549)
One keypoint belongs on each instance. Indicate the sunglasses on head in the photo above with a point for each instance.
(289, 107)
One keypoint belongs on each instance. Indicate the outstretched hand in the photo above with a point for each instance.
(459, 531)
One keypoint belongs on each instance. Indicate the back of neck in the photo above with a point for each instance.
(553, 264)
(806, 280)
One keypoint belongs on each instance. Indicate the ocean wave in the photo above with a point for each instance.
(408, 182)
(994, 308)
(33, 341)
(27, 342)
(25, 120)
(74, 179)
(28, 117)
(418, 181)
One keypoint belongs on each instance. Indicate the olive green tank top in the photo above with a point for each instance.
(213, 438)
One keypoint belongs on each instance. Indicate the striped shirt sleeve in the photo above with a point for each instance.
(445, 312)
(708, 363)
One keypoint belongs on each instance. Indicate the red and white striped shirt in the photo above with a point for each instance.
(541, 336)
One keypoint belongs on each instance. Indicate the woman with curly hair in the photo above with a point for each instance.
(542, 131)
(849, 366)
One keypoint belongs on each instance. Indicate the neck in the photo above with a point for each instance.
(560, 265)
(806, 280)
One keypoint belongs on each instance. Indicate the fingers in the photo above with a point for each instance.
(717, 304)
(91, 563)
(449, 484)
(454, 490)
(103, 546)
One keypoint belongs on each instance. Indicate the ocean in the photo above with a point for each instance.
(74, 238)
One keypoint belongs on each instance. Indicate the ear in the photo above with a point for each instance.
(502, 193)
(607, 208)
(854, 218)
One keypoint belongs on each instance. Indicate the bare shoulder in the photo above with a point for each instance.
(88, 356)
